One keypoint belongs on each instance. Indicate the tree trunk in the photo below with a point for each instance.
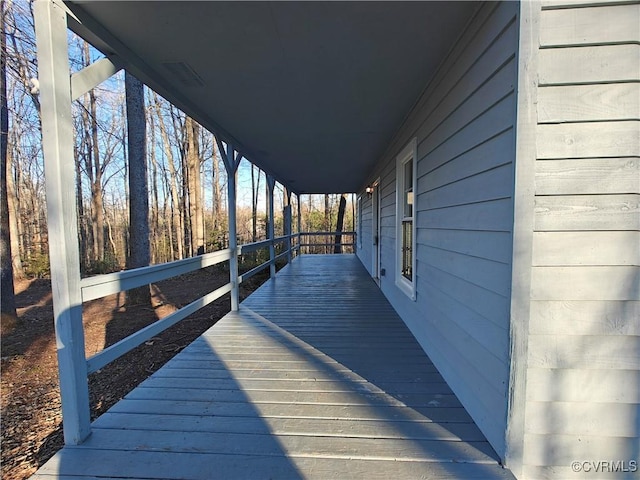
(217, 195)
(114, 247)
(327, 222)
(155, 214)
(340, 223)
(20, 238)
(255, 189)
(176, 218)
(167, 213)
(97, 204)
(94, 168)
(138, 190)
(7, 299)
(194, 187)
(14, 232)
(37, 223)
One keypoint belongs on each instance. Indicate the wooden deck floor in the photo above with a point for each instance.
(315, 377)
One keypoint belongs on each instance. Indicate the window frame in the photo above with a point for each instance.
(408, 154)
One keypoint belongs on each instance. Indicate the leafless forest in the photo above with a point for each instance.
(186, 176)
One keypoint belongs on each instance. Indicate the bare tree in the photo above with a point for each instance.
(177, 227)
(95, 169)
(155, 207)
(139, 251)
(217, 195)
(7, 300)
(14, 229)
(327, 220)
(340, 223)
(24, 173)
(193, 163)
(255, 189)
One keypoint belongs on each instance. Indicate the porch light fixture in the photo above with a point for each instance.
(369, 190)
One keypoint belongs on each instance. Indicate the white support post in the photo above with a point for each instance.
(271, 183)
(287, 222)
(231, 162)
(58, 140)
(94, 75)
(299, 224)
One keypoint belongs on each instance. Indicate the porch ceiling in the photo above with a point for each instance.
(311, 92)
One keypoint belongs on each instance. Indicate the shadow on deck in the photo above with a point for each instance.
(315, 377)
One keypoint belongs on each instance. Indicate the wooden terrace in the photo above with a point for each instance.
(315, 376)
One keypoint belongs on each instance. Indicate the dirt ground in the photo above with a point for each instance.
(29, 396)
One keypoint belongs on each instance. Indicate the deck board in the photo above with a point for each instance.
(315, 377)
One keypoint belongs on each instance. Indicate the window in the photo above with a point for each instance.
(405, 235)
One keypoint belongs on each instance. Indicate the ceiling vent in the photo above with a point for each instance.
(183, 72)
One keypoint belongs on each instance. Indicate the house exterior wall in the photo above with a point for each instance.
(583, 371)
(464, 126)
(565, 297)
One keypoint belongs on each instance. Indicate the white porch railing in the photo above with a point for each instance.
(324, 242)
(102, 285)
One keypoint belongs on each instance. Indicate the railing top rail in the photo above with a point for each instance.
(107, 284)
(327, 233)
(250, 247)
(327, 244)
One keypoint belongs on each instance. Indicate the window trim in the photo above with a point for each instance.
(408, 154)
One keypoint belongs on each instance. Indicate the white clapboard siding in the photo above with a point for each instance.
(585, 176)
(587, 212)
(586, 248)
(488, 185)
(597, 317)
(491, 245)
(491, 216)
(564, 449)
(586, 283)
(486, 303)
(478, 98)
(491, 335)
(464, 126)
(589, 140)
(616, 352)
(484, 273)
(578, 385)
(481, 158)
(584, 325)
(497, 118)
(561, 4)
(587, 418)
(578, 103)
(590, 26)
(597, 64)
(484, 376)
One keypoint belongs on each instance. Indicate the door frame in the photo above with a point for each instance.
(375, 231)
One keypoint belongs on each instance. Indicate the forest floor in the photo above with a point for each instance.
(30, 400)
